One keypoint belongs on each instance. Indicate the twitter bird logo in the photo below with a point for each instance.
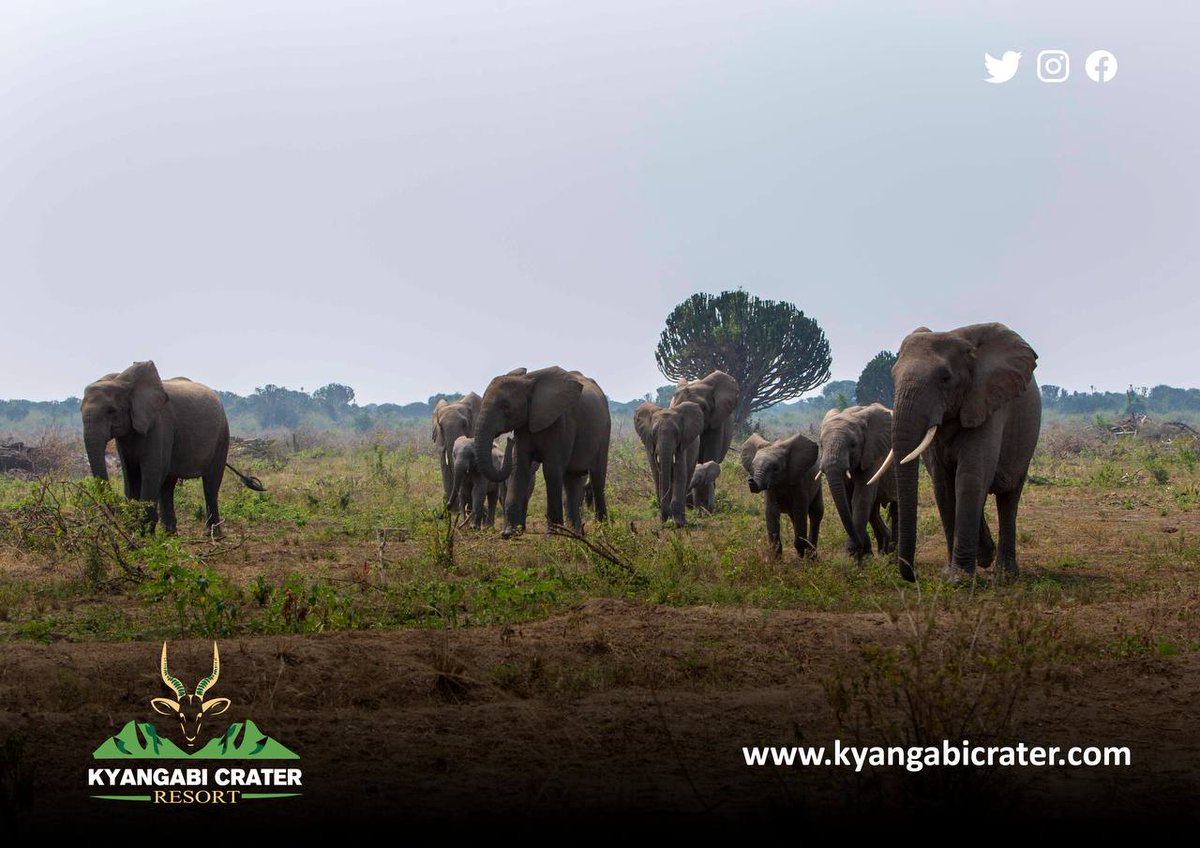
(1003, 69)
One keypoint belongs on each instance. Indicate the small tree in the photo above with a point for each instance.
(875, 382)
(335, 395)
(771, 348)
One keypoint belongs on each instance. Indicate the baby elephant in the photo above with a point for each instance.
(704, 479)
(785, 472)
(469, 488)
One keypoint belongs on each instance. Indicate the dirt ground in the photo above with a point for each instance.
(613, 712)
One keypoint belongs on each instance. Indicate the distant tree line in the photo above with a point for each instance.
(1159, 400)
(270, 407)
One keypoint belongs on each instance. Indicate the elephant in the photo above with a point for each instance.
(451, 420)
(717, 394)
(854, 445)
(966, 400)
(705, 476)
(671, 437)
(166, 431)
(785, 472)
(558, 418)
(470, 488)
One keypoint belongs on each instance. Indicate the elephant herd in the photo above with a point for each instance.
(966, 400)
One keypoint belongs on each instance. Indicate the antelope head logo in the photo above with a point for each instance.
(190, 709)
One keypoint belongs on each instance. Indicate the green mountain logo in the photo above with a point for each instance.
(242, 741)
(138, 741)
(253, 744)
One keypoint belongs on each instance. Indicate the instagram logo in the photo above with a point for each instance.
(1053, 66)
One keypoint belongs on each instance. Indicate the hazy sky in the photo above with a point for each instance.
(412, 197)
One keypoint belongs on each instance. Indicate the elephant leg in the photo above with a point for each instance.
(574, 488)
(131, 474)
(1006, 506)
(212, 488)
(166, 500)
(943, 496)
(495, 494)
(816, 513)
(772, 511)
(598, 478)
(970, 492)
(799, 516)
(883, 539)
(479, 489)
(552, 476)
(516, 500)
(534, 466)
(987, 546)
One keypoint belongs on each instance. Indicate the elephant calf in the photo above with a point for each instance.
(469, 488)
(785, 472)
(166, 431)
(704, 479)
(450, 421)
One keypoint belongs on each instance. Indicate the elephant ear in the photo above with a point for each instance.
(691, 421)
(554, 390)
(643, 420)
(877, 435)
(472, 402)
(437, 423)
(750, 447)
(725, 395)
(1004, 364)
(147, 397)
(801, 457)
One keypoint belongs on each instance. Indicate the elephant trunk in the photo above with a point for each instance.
(488, 428)
(907, 430)
(95, 441)
(835, 476)
(666, 474)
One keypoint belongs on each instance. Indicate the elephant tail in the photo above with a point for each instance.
(248, 481)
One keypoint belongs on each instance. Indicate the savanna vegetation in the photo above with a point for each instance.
(350, 534)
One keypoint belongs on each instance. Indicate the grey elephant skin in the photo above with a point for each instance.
(450, 421)
(166, 431)
(558, 418)
(855, 444)
(704, 478)
(671, 437)
(717, 395)
(470, 489)
(967, 400)
(785, 472)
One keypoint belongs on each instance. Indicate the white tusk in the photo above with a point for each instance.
(887, 463)
(819, 473)
(920, 449)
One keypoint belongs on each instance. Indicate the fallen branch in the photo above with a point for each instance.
(602, 549)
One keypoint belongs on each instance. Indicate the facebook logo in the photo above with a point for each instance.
(1101, 66)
